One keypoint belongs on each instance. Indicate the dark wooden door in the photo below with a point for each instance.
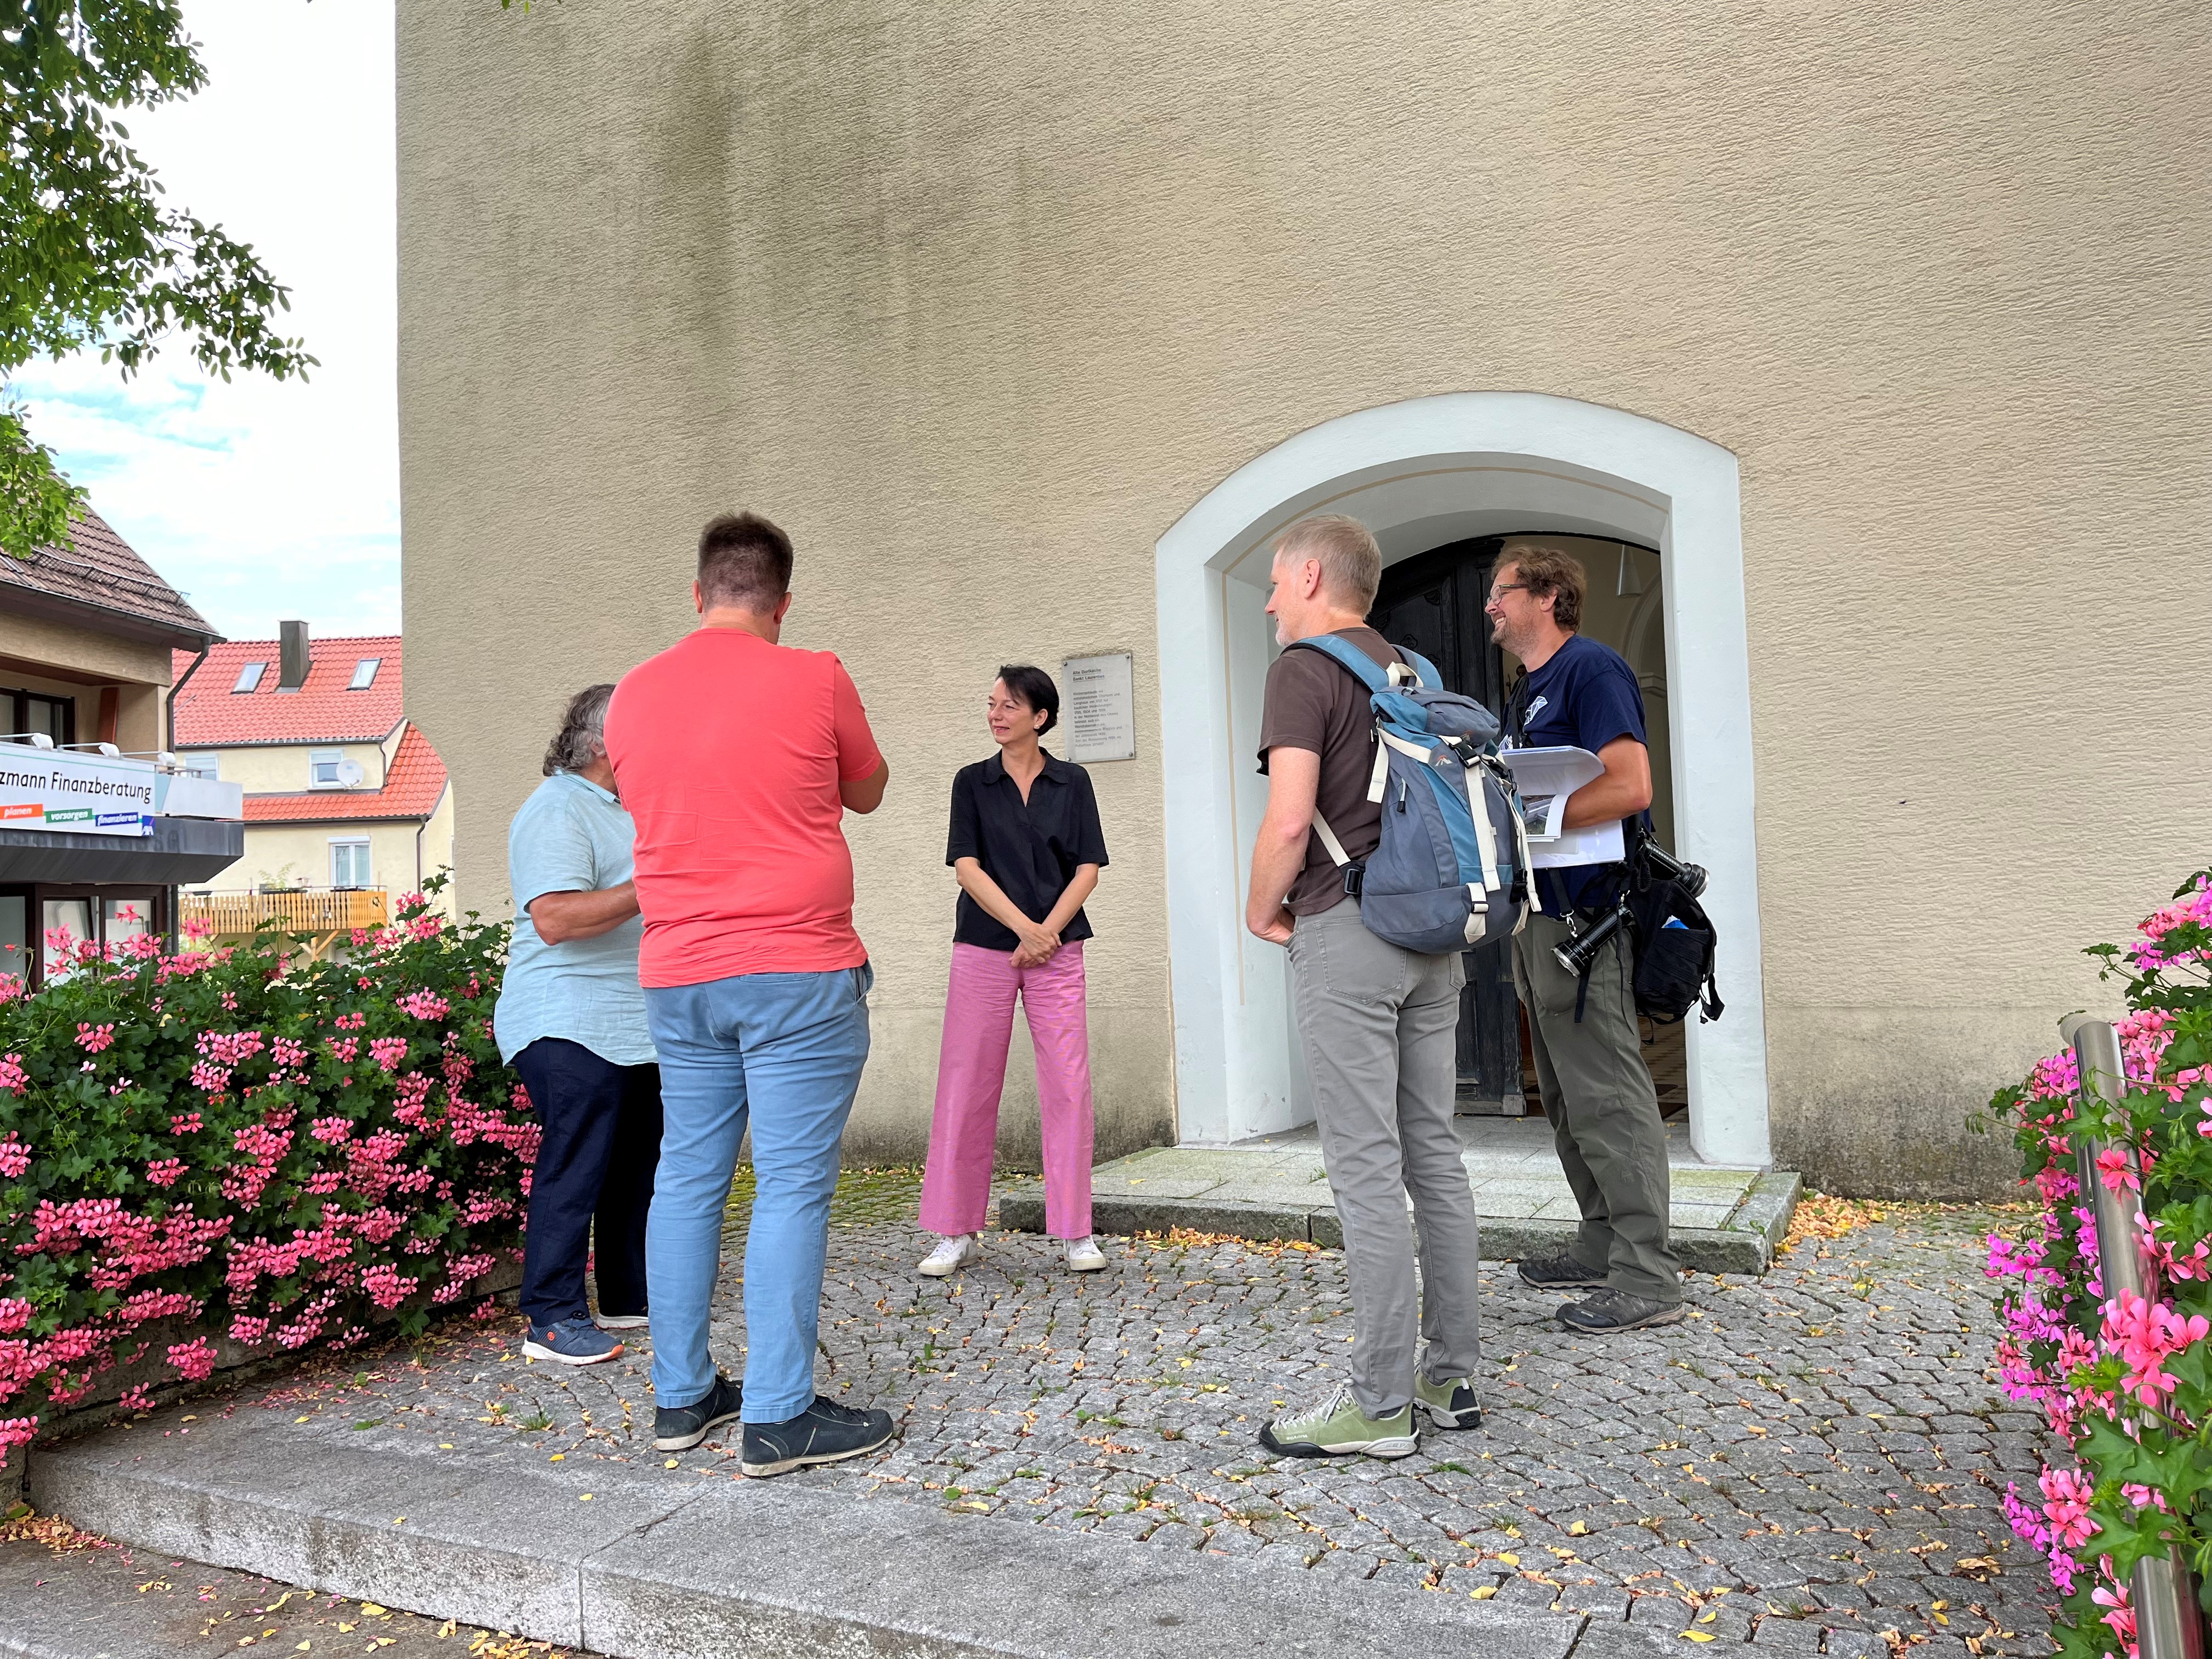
(1432, 603)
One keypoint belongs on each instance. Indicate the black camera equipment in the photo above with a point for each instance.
(1648, 860)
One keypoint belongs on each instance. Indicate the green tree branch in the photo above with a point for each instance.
(90, 256)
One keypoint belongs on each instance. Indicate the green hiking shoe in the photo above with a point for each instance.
(1337, 1428)
(1450, 1404)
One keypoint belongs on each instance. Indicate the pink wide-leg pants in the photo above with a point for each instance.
(971, 1072)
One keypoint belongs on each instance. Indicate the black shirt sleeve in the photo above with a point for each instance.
(1090, 837)
(964, 839)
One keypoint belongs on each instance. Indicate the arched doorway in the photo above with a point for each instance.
(1433, 602)
(1423, 474)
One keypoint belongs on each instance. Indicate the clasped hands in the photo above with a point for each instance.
(1038, 945)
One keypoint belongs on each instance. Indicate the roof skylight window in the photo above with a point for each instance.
(364, 673)
(249, 677)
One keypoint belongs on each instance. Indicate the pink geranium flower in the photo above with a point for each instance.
(2113, 1170)
(2066, 1497)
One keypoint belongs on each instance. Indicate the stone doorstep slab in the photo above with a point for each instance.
(699, 1566)
(1744, 1241)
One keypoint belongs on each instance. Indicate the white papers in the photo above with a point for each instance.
(1546, 777)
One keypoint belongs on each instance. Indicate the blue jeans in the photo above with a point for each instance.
(783, 1051)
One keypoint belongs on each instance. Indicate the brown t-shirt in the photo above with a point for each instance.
(1312, 703)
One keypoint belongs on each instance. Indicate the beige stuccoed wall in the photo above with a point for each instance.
(306, 847)
(435, 851)
(288, 768)
(978, 299)
(105, 657)
(138, 670)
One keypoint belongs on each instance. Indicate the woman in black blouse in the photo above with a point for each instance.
(1027, 848)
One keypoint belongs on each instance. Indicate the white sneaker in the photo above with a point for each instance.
(1084, 1257)
(950, 1256)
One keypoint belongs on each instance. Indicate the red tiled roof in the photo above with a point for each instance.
(210, 715)
(100, 570)
(411, 788)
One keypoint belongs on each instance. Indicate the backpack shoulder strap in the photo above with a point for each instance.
(1348, 657)
(1516, 712)
(1430, 680)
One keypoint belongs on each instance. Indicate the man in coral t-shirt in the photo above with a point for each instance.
(737, 758)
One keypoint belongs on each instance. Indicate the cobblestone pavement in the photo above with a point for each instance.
(1812, 1462)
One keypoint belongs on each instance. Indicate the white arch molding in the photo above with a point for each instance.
(1422, 473)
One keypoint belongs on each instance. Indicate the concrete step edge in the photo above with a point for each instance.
(658, 1570)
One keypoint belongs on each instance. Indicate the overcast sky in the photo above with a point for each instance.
(266, 499)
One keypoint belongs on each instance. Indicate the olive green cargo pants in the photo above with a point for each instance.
(1605, 1115)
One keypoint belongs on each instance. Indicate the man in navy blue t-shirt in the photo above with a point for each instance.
(1589, 1062)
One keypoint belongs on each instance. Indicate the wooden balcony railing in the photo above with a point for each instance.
(322, 910)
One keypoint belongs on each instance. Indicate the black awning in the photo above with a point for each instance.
(179, 850)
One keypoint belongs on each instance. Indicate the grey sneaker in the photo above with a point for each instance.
(1450, 1404)
(1560, 1272)
(571, 1342)
(1617, 1310)
(1337, 1428)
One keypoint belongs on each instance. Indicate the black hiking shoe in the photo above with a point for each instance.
(1617, 1310)
(679, 1428)
(1560, 1272)
(825, 1432)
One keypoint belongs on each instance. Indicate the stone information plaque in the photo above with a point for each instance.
(1099, 702)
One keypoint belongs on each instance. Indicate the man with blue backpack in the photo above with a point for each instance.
(1390, 844)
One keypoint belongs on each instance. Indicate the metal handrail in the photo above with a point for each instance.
(2167, 1624)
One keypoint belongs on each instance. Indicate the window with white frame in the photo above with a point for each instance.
(324, 766)
(364, 673)
(349, 864)
(249, 677)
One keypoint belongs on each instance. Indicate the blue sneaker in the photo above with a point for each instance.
(571, 1342)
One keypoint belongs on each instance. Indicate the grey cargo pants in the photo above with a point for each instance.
(1376, 1026)
(1605, 1115)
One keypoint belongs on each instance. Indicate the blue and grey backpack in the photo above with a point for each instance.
(1452, 870)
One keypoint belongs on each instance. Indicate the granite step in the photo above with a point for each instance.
(632, 1560)
(1725, 1218)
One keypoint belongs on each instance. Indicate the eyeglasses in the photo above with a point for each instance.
(1503, 588)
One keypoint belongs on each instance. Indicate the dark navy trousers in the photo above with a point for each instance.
(595, 1164)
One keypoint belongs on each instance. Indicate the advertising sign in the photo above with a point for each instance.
(77, 793)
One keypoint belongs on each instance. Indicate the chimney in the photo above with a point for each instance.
(293, 659)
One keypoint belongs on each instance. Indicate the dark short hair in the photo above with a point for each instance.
(743, 560)
(1035, 689)
(1549, 571)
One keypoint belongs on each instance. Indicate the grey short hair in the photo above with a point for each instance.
(1351, 562)
(582, 737)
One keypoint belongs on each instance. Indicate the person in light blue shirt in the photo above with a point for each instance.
(571, 1022)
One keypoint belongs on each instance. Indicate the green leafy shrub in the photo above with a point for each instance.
(274, 1150)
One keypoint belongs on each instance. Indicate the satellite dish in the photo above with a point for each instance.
(349, 773)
